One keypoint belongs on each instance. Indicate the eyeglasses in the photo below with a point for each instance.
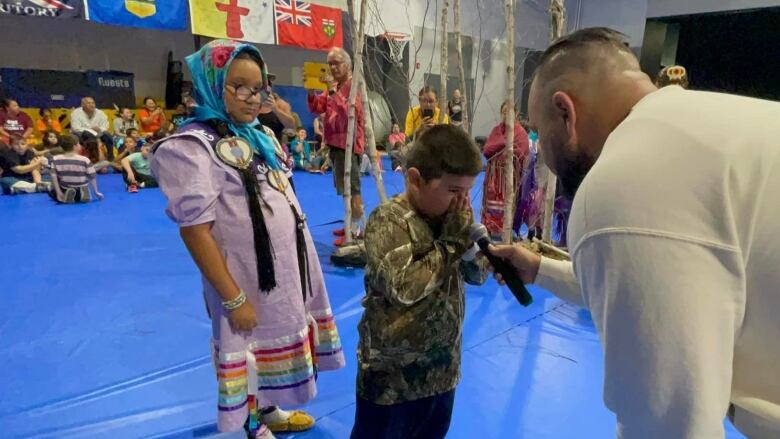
(244, 93)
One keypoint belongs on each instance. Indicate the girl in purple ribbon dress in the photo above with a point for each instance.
(273, 328)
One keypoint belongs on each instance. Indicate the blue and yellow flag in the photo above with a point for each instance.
(150, 14)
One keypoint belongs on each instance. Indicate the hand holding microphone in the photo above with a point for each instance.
(505, 263)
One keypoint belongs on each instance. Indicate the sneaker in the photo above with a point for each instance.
(338, 232)
(339, 241)
(133, 189)
(142, 185)
(70, 196)
(85, 195)
(283, 421)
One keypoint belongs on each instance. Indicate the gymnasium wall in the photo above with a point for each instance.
(666, 8)
(38, 43)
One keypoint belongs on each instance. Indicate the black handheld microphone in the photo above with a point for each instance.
(479, 234)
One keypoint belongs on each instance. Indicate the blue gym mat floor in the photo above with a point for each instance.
(103, 331)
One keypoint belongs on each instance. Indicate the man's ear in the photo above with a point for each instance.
(414, 177)
(563, 107)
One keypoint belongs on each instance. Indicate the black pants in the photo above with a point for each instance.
(109, 142)
(147, 180)
(427, 418)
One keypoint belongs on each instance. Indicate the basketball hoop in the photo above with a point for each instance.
(396, 41)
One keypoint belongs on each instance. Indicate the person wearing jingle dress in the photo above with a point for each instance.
(273, 328)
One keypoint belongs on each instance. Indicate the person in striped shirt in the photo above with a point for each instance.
(71, 175)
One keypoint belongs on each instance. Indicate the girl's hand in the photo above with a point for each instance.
(243, 318)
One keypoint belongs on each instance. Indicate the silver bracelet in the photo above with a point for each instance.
(230, 305)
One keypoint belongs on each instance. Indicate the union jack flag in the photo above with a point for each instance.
(293, 11)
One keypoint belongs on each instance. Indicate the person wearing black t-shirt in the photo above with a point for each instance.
(21, 169)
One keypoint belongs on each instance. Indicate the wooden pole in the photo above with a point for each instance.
(444, 46)
(370, 139)
(371, 142)
(357, 70)
(509, 151)
(461, 68)
(557, 29)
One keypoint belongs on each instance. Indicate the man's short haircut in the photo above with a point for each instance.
(444, 149)
(574, 51)
(344, 55)
(68, 142)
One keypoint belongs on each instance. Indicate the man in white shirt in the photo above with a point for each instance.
(88, 117)
(674, 235)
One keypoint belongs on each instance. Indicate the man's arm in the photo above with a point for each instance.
(554, 276)
(667, 310)
(77, 122)
(102, 122)
(317, 103)
(283, 110)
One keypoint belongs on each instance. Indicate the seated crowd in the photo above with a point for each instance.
(76, 150)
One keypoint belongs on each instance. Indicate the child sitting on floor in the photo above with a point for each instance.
(135, 169)
(130, 146)
(94, 149)
(71, 175)
(21, 169)
(410, 334)
(299, 150)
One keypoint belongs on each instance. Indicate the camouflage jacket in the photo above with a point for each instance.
(410, 333)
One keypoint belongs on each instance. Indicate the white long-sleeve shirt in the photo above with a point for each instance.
(80, 121)
(675, 237)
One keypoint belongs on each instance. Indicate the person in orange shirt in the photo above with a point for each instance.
(152, 117)
(47, 123)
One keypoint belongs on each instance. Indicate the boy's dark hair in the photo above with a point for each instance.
(43, 110)
(444, 149)
(68, 142)
(130, 130)
(14, 139)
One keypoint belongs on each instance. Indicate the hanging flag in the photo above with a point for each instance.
(308, 25)
(149, 14)
(245, 20)
(43, 8)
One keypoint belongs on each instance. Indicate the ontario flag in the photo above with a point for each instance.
(307, 25)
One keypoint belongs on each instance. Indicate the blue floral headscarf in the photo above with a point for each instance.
(209, 67)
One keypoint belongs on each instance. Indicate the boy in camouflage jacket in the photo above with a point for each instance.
(410, 334)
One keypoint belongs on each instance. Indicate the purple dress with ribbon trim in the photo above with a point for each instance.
(277, 362)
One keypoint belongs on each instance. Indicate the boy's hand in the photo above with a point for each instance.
(455, 229)
(243, 318)
(99, 195)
